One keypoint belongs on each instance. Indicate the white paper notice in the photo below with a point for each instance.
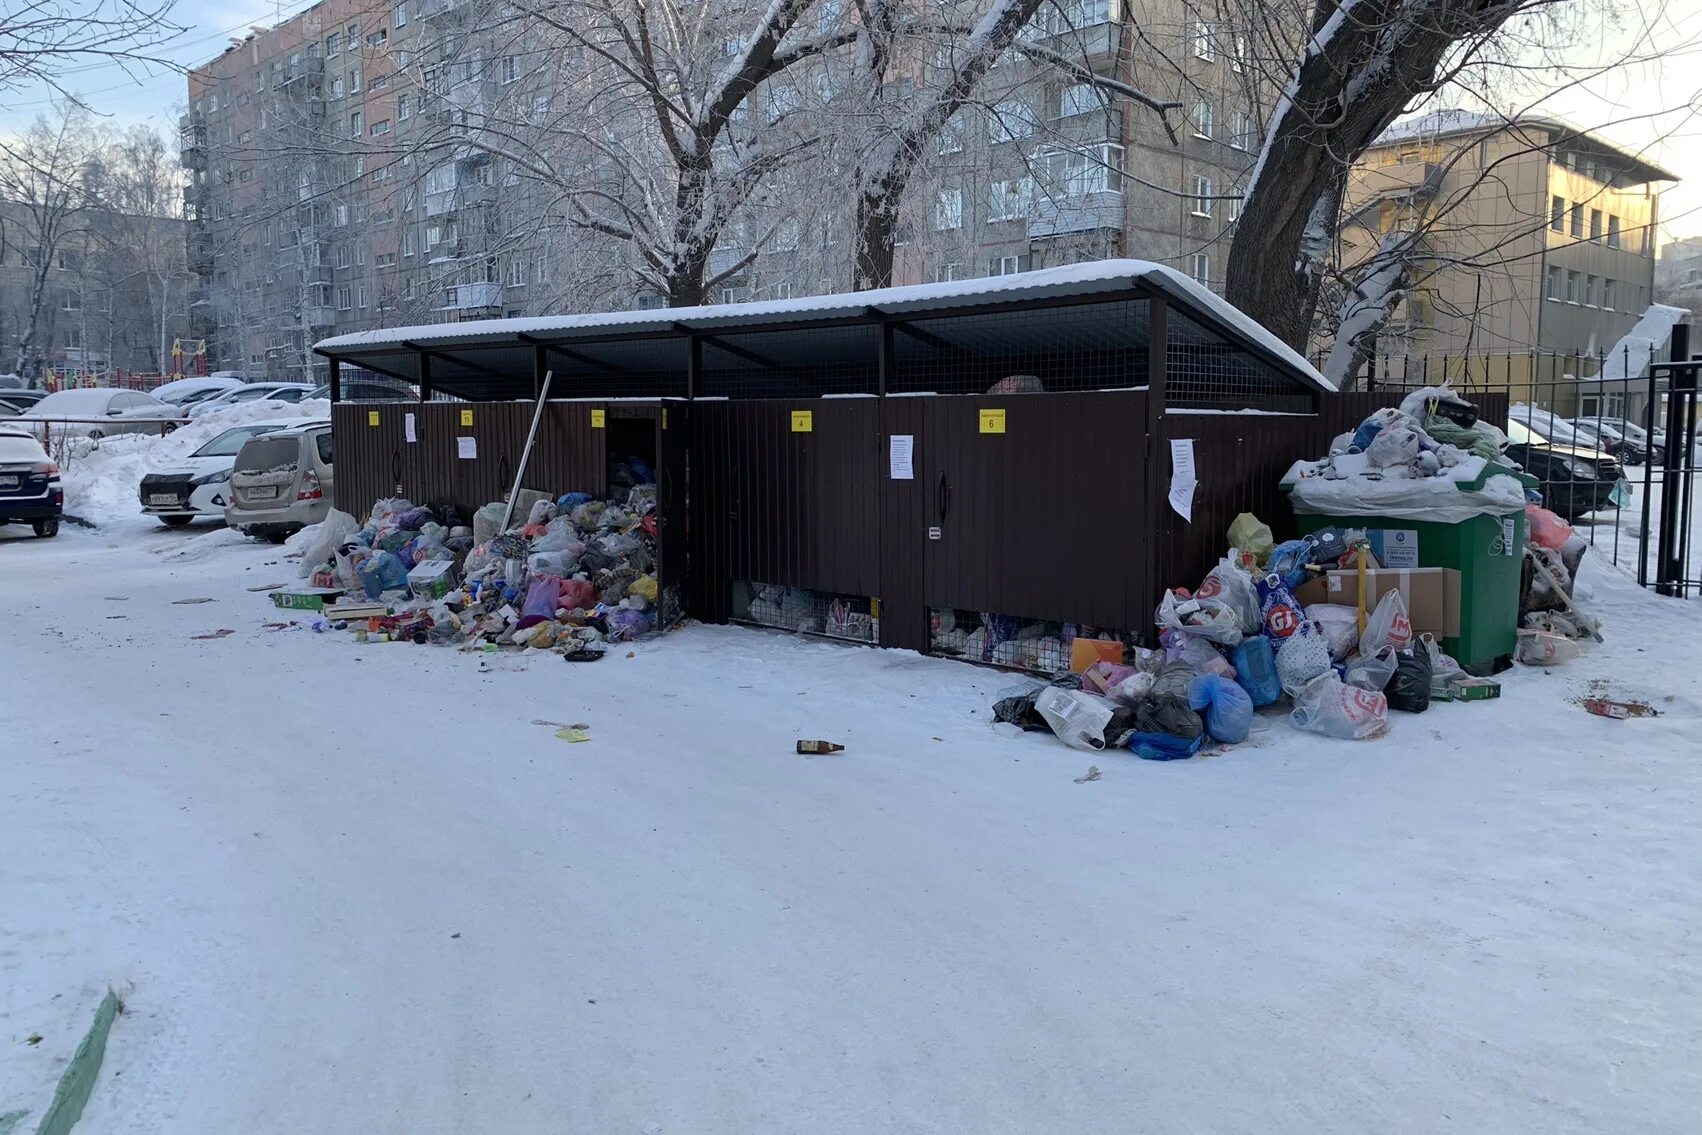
(408, 428)
(1182, 477)
(901, 457)
(467, 448)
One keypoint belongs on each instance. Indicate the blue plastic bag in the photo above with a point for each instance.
(1164, 747)
(569, 501)
(1227, 709)
(382, 572)
(1289, 560)
(1255, 669)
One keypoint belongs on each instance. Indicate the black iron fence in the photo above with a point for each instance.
(1612, 439)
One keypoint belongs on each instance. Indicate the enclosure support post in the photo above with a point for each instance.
(694, 364)
(336, 376)
(540, 364)
(1669, 562)
(425, 377)
(885, 357)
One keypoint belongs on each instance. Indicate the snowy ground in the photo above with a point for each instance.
(356, 888)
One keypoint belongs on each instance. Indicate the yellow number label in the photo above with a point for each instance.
(372, 417)
(992, 421)
(597, 417)
(466, 417)
(803, 421)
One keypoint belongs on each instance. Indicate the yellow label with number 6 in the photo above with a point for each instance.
(466, 417)
(992, 421)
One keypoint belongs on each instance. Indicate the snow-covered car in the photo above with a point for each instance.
(103, 411)
(249, 392)
(370, 390)
(182, 391)
(30, 490)
(282, 482)
(200, 485)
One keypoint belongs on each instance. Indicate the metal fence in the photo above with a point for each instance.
(1612, 439)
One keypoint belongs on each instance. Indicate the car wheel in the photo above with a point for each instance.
(96, 435)
(175, 521)
(277, 537)
(46, 528)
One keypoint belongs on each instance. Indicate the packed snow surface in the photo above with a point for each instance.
(358, 888)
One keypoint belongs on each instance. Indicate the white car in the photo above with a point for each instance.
(184, 390)
(250, 392)
(200, 484)
(103, 411)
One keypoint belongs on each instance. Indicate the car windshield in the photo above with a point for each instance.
(15, 448)
(1520, 434)
(229, 443)
(1550, 426)
(265, 453)
(199, 396)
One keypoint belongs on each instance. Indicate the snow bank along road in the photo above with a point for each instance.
(356, 889)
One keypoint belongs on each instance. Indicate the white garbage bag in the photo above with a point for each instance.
(1329, 707)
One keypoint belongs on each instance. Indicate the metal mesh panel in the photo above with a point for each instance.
(802, 362)
(852, 617)
(1204, 370)
(1090, 346)
(1006, 641)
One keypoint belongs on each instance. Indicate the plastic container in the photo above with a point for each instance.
(1255, 669)
(1079, 719)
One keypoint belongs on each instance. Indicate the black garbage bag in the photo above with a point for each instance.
(1409, 689)
(1120, 728)
(1166, 708)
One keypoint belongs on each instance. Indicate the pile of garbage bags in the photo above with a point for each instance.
(573, 574)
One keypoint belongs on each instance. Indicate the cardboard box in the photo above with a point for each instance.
(1084, 652)
(1432, 594)
(432, 579)
(305, 598)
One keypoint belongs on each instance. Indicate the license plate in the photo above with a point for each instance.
(261, 492)
(9, 482)
(162, 498)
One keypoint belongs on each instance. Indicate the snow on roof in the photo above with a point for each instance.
(1446, 123)
(1066, 280)
(1631, 356)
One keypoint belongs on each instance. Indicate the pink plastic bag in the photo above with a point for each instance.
(1102, 676)
(577, 594)
(540, 605)
(1547, 529)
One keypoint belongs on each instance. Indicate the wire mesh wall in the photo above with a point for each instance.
(806, 611)
(791, 363)
(1206, 370)
(1040, 646)
(1089, 346)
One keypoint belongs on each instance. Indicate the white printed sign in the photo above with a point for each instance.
(467, 448)
(1183, 478)
(901, 457)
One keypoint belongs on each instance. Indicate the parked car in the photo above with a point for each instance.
(1655, 448)
(1576, 480)
(184, 390)
(370, 390)
(281, 481)
(106, 411)
(30, 492)
(22, 399)
(250, 392)
(1609, 441)
(201, 485)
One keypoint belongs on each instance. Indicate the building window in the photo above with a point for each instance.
(354, 124)
(1572, 283)
(1577, 220)
(1240, 59)
(1072, 173)
(333, 44)
(382, 126)
(1010, 200)
(510, 68)
(948, 210)
(1235, 203)
(1557, 213)
(336, 88)
(1011, 119)
(404, 108)
(783, 99)
(950, 139)
(1610, 294)
(1241, 129)
(354, 81)
(410, 243)
(1008, 265)
(1203, 119)
(1590, 291)
(1202, 195)
(360, 296)
(514, 276)
(402, 15)
(1082, 98)
(340, 256)
(1613, 232)
(379, 84)
(541, 105)
(1200, 269)
(1595, 224)
(378, 38)
(1205, 40)
(345, 298)
(1556, 282)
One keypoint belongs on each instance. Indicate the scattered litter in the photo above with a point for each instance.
(220, 633)
(812, 748)
(573, 734)
(266, 587)
(584, 654)
(183, 602)
(1092, 773)
(1619, 710)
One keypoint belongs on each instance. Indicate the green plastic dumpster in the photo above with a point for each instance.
(1487, 551)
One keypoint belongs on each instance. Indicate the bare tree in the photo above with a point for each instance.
(40, 39)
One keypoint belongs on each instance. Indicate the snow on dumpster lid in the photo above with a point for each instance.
(1067, 280)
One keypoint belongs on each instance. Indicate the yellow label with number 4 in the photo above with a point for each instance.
(466, 417)
(992, 421)
(803, 421)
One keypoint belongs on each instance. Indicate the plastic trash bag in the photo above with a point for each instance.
(628, 624)
(1196, 652)
(1388, 625)
(1206, 618)
(1230, 584)
(1102, 677)
(542, 512)
(1329, 707)
(1228, 711)
(1280, 609)
(414, 519)
(576, 595)
(1547, 530)
(1299, 659)
(1339, 624)
(1394, 445)
(321, 541)
(1164, 746)
(541, 601)
(1132, 690)
(1255, 669)
(1076, 716)
(1166, 708)
(1249, 534)
(382, 572)
(1541, 648)
(1409, 690)
(384, 512)
(567, 502)
(487, 522)
(1371, 671)
(1289, 560)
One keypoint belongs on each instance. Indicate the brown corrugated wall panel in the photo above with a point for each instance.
(903, 531)
(570, 455)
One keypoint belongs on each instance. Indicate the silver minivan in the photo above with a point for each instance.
(281, 482)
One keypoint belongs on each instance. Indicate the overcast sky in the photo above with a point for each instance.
(1653, 106)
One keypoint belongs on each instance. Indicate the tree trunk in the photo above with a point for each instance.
(877, 225)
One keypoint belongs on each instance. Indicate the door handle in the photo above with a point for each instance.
(942, 497)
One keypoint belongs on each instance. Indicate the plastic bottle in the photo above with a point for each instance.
(1255, 669)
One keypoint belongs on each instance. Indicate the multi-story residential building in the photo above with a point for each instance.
(113, 292)
(1534, 235)
(1678, 273)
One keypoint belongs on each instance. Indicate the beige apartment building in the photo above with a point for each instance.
(1539, 236)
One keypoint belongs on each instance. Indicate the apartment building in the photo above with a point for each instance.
(1536, 235)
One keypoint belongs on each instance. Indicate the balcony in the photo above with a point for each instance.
(445, 252)
(305, 75)
(1415, 180)
(475, 297)
(318, 315)
(316, 274)
(1092, 43)
(723, 259)
(192, 155)
(199, 247)
(1083, 213)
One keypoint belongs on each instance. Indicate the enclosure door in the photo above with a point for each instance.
(1033, 505)
(673, 504)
